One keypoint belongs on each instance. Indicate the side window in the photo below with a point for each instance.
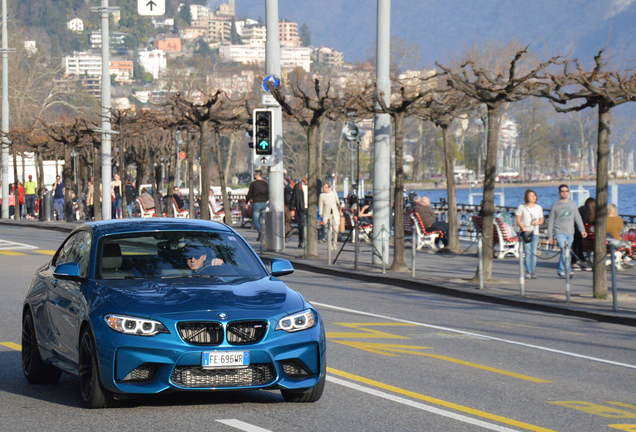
(82, 248)
(64, 251)
(76, 249)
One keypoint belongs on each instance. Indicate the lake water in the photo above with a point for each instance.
(513, 196)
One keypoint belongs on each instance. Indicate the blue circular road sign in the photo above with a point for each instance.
(271, 81)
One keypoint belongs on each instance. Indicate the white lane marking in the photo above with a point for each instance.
(6, 244)
(493, 338)
(241, 425)
(419, 405)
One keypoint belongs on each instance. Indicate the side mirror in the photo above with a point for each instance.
(68, 271)
(281, 267)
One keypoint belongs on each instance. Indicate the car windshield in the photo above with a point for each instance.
(169, 254)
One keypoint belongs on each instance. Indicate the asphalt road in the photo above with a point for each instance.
(398, 361)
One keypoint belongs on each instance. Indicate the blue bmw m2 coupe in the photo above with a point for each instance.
(142, 306)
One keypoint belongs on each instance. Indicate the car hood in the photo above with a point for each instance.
(196, 298)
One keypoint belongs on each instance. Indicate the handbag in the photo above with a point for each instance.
(527, 236)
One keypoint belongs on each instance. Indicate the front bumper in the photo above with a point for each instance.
(148, 365)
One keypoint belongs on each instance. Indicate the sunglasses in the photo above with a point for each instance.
(192, 257)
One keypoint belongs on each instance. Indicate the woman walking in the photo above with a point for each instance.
(115, 192)
(529, 217)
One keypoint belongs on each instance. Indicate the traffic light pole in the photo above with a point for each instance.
(276, 178)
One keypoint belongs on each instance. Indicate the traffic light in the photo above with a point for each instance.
(263, 132)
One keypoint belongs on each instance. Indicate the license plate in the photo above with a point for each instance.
(225, 359)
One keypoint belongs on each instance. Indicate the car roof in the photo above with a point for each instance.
(115, 226)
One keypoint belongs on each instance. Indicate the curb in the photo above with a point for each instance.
(416, 286)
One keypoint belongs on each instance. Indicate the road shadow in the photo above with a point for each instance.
(66, 391)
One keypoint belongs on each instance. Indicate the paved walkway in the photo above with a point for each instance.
(454, 275)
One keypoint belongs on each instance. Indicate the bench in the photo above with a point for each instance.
(423, 236)
(506, 242)
(145, 213)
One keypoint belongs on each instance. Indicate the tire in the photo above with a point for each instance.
(92, 393)
(35, 369)
(311, 394)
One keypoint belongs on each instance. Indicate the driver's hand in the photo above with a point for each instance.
(217, 262)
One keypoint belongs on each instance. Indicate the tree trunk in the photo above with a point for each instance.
(449, 159)
(97, 184)
(204, 158)
(121, 157)
(69, 186)
(312, 193)
(190, 155)
(490, 173)
(600, 226)
(398, 195)
(320, 157)
(220, 161)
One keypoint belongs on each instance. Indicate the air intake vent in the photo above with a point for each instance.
(195, 376)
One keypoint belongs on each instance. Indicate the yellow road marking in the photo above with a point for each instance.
(622, 404)
(391, 350)
(11, 253)
(439, 402)
(367, 333)
(597, 409)
(45, 251)
(13, 346)
(624, 427)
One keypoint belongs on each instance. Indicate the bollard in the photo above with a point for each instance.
(567, 272)
(614, 293)
(382, 231)
(522, 279)
(329, 242)
(480, 250)
(413, 250)
(262, 234)
(356, 250)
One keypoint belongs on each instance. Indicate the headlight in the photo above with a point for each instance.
(135, 326)
(297, 322)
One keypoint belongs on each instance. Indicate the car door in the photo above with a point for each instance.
(66, 298)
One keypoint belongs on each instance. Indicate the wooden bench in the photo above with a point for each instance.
(423, 237)
(145, 213)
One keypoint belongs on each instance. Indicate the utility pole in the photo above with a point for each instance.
(105, 129)
(382, 137)
(276, 179)
(5, 113)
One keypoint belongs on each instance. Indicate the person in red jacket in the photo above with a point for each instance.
(21, 198)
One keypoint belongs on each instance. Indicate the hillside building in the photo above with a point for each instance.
(153, 62)
(291, 58)
(169, 44)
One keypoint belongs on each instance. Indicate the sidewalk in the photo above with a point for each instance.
(454, 275)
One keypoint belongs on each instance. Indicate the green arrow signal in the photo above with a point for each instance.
(263, 145)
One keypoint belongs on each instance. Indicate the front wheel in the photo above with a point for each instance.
(311, 394)
(92, 393)
(35, 369)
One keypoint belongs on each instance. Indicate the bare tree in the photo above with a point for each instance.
(442, 109)
(309, 106)
(494, 89)
(404, 102)
(604, 90)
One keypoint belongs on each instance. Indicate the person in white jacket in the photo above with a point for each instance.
(329, 210)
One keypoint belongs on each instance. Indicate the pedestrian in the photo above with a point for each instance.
(90, 199)
(130, 193)
(258, 195)
(30, 189)
(58, 198)
(563, 216)
(115, 194)
(12, 201)
(299, 204)
(588, 216)
(329, 211)
(288, 196)
(423, 206)
(529, 217)
(21, 200)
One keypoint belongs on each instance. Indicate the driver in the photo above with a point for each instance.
(197, 259)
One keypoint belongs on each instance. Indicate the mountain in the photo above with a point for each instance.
(445, 29)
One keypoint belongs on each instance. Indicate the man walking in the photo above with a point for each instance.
(29, 190)
(300, 202)
(258, 195)
(563, 216)
(58, 198)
